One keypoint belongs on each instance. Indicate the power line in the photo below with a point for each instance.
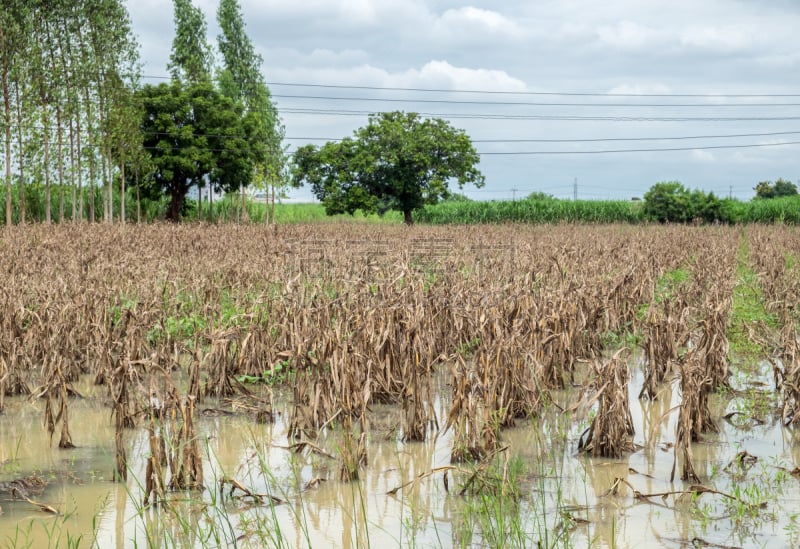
(510, 92)
(532, 93)
(666, 149)
(38, 126)
(521, 117)
(532, 153)
(525, 103)
(592, 140)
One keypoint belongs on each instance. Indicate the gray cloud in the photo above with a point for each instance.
(588, 46)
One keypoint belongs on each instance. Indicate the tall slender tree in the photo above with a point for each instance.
(15, 25)
(241, 79)
(116, 65)
(190, 59)
(43, 77)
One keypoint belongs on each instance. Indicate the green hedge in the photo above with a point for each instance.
(532, 211)
(778, 210)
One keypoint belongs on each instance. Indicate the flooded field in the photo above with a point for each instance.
(565, 497)
(449, 392)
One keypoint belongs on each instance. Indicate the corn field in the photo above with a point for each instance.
(468, 334)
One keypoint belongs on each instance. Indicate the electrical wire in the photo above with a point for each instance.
(666, 149)
(525, 103)
(592, 140)
(521, 117)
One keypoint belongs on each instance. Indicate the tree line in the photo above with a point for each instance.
(78, 125)
(68, 71)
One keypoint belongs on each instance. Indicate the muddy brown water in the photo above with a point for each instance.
(567, 498)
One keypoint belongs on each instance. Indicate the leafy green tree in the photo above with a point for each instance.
(785, 188)
(194, 134)
(399, 161)
(667, 201)
(706, 207)
(671, 202)
(765, 189)
(768, 189)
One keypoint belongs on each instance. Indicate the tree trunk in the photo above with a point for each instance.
(21, 154)
(60, 133)
(72, 169)
(138, 198)
(7, 114)
(122, 186)
(92, 156)
(105, 162)
(175, 204)
(46, 130)
(92, 175)
(272, 214)
(110, 183)
(407, 219)
(79, 167)
(243, 215)
(105, 153)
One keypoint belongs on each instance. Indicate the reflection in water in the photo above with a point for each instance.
(564, 496)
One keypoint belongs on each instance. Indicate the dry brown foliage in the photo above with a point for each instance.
(694, 417)
(661, 344)
(611, 431)
(347, 316)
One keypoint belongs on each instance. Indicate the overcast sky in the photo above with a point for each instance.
(682, 50)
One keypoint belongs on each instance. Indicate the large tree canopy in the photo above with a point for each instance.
(399, 161)
(671, 202)
(194, 135)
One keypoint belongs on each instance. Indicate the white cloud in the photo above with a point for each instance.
(470, 23)
(434, 74)
(629, 35)
(335, 13)
(779, 60)
(638, 89)
(612, 46)
(702, 155)
(316, 58)
(729, 39)
(441, 74)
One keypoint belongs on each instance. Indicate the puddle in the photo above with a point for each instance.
(565, 498)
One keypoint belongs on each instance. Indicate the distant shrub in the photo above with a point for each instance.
(671, 202)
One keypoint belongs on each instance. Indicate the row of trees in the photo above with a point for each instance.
(670, 201)
(75, 117)
(68, 71)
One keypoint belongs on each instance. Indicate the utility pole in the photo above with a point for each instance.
(514, 194)
(730, 193)
(575, 189)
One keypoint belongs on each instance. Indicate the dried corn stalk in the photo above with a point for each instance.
(611, 431)
(694, 416)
